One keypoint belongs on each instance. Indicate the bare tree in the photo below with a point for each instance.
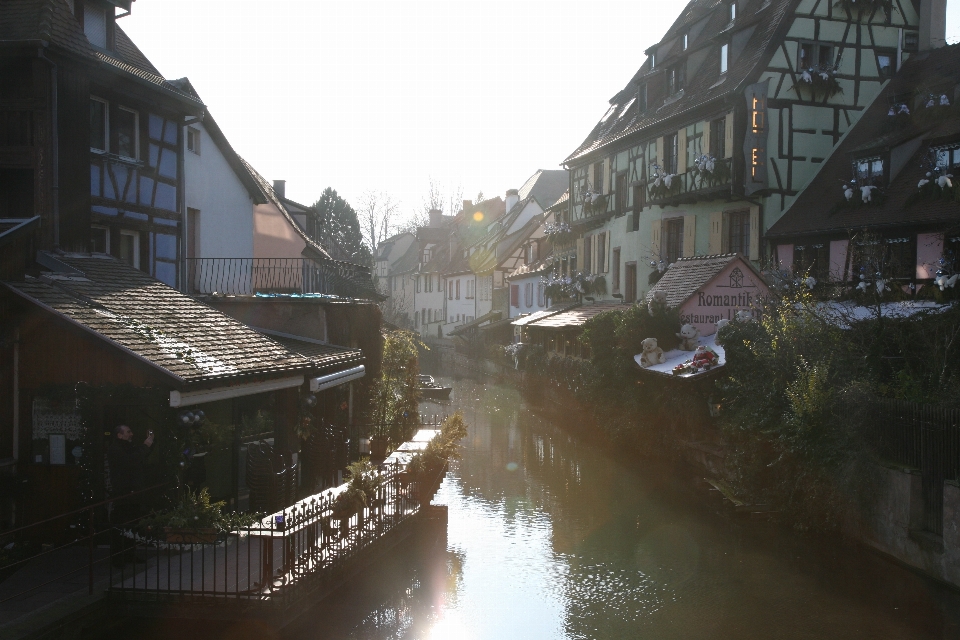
(377, 213)
(435, 199)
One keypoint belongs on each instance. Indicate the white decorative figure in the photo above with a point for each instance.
(667, 179)
(944, 102)
(891, 112)
(744, 315)
(811, 282)
(944, 182)
(688, 337)
(866, 193)
(806, 77)
(847, 192)
(881, 285)
(930, 103)
(652, 354)
(721, 323)
(946, 282)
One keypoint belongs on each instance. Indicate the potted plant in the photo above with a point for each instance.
(429, 465)
(194, 520)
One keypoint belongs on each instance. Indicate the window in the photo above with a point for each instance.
(813, 55)
(615, 277)
(419, 278)
(694, 144)
(449, 293)
(947, 157)
(99, 124)
(868, 171)
(686, 41)
(130, 248)
(911, 41)
(99, 239)
(621, 189)
(673, 239)
(718, 138)
(653, 61)
(724, 53)
(193, 232)
(670, 153)
(394, 281)
(601, 250)
(733, 11)
(515, 295)
(127, 132)
(587, 245)
(193, 140)
(426, 255)
(630, 282)
(598, 177)
(813, 259)
(675, 78)
(458, 288)
(738, 234)
(642, 97)
(95, 24)
(902, 257)
(541, 295)
(528, 294)
(638, 196)
(416, 319)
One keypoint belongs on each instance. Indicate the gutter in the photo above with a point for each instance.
(187, 398)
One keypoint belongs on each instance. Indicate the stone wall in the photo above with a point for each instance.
(891, 524)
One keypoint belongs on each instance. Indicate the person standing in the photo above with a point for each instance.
(127, 461)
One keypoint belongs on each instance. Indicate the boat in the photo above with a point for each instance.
(430, 388)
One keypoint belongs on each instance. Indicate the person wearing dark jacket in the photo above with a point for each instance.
(127, 461)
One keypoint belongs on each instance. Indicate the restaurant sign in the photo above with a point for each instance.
(736, 288)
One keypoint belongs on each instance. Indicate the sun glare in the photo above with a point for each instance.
(478, 216)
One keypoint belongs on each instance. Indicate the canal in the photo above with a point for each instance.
(549, 537)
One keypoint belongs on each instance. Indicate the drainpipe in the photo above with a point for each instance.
(55, 142)
(16, 395)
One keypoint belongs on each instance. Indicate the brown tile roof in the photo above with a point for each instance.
(178, 335)
(816, 209)
(688, 275)
(47, 20)
(574, 317)
(323, 356)
(761, 21)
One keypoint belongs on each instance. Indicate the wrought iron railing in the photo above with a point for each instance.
(694, 183)
(247, 276)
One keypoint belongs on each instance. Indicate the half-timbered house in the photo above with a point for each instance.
(731, 115)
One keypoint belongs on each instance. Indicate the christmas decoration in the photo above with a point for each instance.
(688, 335)
(652, 354)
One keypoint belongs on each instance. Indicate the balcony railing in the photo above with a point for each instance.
(693, 185)
(248, 276)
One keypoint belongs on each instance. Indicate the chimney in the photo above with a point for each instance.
(467, 206)
(933, 24)
(280, 188)
(436, 217)
(513, 197)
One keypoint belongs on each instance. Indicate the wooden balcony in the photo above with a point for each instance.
(692, 186)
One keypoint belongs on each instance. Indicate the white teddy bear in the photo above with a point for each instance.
(652, 354)
(688, 335)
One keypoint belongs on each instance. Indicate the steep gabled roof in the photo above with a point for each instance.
(175, 334)
(819, 207)
(545, 186)
(759, 21)
(688, 275)
(408, 261)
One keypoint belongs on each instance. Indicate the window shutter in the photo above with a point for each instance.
(705, 141)
(660, 150)
(728, 136)
(689, 236)
(607, 178)
(514, 295)
(755, 232)
(593, 252)
(606, 251)
(716, 233)
(655, 229)
(580, 265)
(682, 150)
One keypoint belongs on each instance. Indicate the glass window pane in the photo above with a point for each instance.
(128, 248)
(98, 125)
(156, 126)
(154, 154)
(170, 132)
(95, 179)
(166, 197)
(168, 163)
(125, 124)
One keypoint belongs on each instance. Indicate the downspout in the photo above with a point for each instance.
(55, 142)
(182, 206)
(16, 395)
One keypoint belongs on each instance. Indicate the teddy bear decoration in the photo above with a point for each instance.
(652, 354)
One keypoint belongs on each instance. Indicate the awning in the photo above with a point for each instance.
(574, 318)
(336, 379)
(493, 315)
(185, 398)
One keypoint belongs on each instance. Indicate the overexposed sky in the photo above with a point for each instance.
(385, 95)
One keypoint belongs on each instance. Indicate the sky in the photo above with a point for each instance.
(366, 95)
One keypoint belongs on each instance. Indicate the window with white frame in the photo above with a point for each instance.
(868, 172)
(99, 124)
(127, 130)
(99, 239)
(947, 157)
(193, 140)
(724, 57)
(129, 249)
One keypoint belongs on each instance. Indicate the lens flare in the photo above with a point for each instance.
(512, 466)
(478, 216)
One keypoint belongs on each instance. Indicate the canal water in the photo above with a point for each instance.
(549, 537)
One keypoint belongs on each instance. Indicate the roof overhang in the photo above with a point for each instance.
(186, 398)
(336, 379)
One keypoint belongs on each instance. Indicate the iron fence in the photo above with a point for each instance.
(692, 183)
(247, 276)
(282, 557)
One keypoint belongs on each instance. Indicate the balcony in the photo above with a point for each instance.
(693, 186)
(249, 276)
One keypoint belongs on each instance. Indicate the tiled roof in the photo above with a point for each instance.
(545, 186)
(408, 261)
(176, 334)
(704, 85)
(527, 270)
(562, 200)
(574, 317)
(48, 20)
(816, 209)
(538, 315)
(687, 275)
(490, 316)
(323, 356)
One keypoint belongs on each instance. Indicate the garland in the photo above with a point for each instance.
(559, 233)
(560, 287)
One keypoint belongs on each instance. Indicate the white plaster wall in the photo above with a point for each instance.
(226, 209)
(523, 308)
(465, 307)
(529, 211)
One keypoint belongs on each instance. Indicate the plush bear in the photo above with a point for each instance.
(744, 315)
(658, 302)
(721, 323)
(688, 337)
(652, 354)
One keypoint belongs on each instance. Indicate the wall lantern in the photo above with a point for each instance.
(714, 407)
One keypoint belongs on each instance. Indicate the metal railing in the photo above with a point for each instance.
(247, 276)
(692, 183)
(282, 557)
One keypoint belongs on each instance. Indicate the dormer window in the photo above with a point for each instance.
(686, 41)
(812, 55)
(675, 79)
(947, 157)
(95, 24)
(733, 11)
(724, 57)
(642, 97)
(653, 60)
(868, 172)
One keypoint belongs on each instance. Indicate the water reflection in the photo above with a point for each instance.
(549, 538)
